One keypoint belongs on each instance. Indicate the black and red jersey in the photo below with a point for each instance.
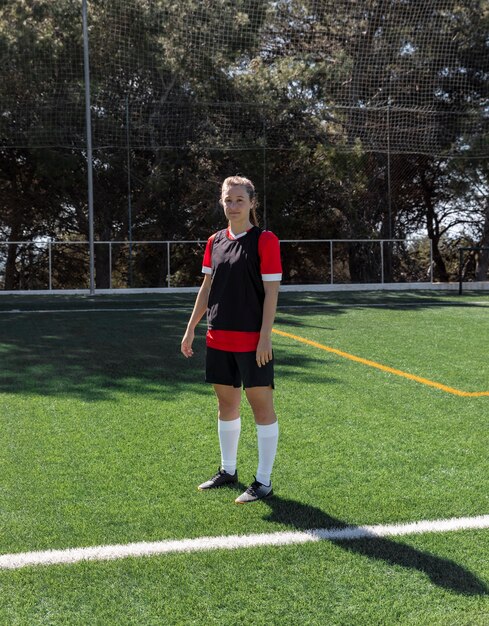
(239, 264)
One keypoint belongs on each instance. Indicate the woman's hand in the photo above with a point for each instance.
(187, 341)
(264, 351)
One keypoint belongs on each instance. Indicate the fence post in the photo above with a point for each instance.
(110, 264)
(88, 123)
(460, 270)
(331, 260)
(431, 261)
(50, 266)
(168, 263)
(382, 262)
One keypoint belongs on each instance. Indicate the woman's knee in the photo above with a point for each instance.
(261, 402)
(228, 400)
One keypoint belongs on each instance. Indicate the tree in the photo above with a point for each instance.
(346, 115)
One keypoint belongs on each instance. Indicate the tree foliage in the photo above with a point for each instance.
(184, 94)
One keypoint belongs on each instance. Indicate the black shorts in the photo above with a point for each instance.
(236, 369)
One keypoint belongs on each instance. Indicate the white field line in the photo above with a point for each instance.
(233, 542)
(159, 309)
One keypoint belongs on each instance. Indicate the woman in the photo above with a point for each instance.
(242, 273)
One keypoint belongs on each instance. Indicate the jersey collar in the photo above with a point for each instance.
(231, 235)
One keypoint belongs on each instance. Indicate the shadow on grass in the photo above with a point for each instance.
(334, 303)
(442, 572)
(73, 349)
(95, 355)
(295, 308)
(318, 310)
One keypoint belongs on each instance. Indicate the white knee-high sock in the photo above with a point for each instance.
(267, 448)
(228, 440)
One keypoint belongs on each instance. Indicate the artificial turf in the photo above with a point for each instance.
(107, 430)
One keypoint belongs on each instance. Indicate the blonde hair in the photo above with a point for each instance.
(233, 181)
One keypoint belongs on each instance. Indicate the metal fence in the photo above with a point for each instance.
(56, 265)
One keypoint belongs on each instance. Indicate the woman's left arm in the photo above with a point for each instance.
(264, 348)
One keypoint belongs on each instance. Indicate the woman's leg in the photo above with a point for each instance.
(229, 429)
(261, 401)
(228, 400)
(228, 425)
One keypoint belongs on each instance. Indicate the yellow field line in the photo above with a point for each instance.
(384, 368)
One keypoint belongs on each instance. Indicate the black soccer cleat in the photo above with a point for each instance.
(220, 479)
(256, 491)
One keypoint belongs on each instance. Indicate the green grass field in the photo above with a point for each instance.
(106, 430)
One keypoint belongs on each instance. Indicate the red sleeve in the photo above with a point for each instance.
(269, 253)
(207, 263)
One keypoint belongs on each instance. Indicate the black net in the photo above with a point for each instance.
(398, 76)
(356, 119)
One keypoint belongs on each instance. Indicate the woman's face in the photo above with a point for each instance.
(236, 203)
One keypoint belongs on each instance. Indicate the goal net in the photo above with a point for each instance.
(398, 76)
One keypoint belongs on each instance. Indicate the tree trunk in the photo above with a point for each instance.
(433, 229)
(440, 269)
(10, 265)
(481, 271)
(10, 268)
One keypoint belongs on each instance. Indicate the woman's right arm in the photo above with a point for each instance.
(200, 308)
